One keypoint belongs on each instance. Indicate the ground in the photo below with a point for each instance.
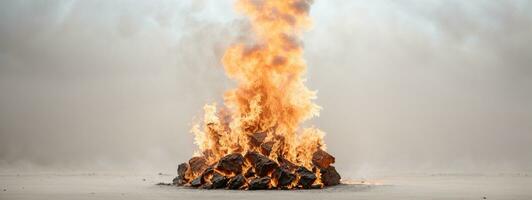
(67, 186)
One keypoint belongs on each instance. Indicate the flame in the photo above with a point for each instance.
(270, 96)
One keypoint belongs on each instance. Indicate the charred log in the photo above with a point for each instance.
(182, 169)
(262, 165)
(236, 182)
(198, 181)
(306, 177)
(197, 164)
(231, 163)
(249, 173)
(256, 139)
(286, 164)
(329, 176)
(266, 148)
(219, 181)
(255, 171)
(206, 186)
(207, 173)
(322, 159)
(260, 183)
(283, 177)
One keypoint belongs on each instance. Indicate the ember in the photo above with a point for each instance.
(254, 141)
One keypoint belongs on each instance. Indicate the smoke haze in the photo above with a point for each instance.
(410, 86)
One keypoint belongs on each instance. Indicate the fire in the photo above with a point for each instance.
(270, 96)
(264, 112)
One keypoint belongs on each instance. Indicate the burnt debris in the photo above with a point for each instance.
(236, 182)
(231, 163)
(329, 176)
(256, 171)
(306, 177)
(262, 183)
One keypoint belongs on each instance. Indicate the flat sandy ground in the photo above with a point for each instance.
(70, 186)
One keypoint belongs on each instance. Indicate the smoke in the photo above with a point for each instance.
(416, 85)
(424, 84)
(105, 84)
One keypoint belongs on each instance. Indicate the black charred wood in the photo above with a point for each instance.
(236, 182)
(198, 181)
(207, 173)
(260, 171)
(182, 169)
(329, 176)
(219, 181)
(265, 166)
(306, 177)
(286, 164)
(256, 139)
(197, 164)
(284, 177)
(231, 163)
(252, 156)
(209, 170)
(206, 186)
(262, 164)
(260, 183)
(266, 148)
(322, 159)
(249, 173)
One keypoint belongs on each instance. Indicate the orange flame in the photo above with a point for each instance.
(271, 98)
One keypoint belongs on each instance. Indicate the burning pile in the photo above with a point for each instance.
(255, 171)
(254, 140)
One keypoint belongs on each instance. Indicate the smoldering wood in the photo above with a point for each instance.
(255, 171)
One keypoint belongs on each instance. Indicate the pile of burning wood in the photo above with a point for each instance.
(255, 141)
(255, 171)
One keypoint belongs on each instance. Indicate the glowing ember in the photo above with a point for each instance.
(254, 140)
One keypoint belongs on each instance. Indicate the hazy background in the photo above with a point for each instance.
(406, 86)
